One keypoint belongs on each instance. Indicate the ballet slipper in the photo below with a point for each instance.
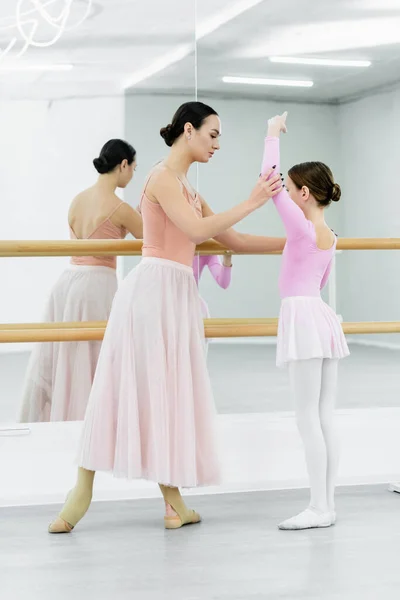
(60, 526)
(175, 522)
(76, 504)
(308, 519)
(182, 515)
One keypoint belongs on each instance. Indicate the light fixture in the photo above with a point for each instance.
(55, 15)
(10, 68)
(323, 62)
(263, 81)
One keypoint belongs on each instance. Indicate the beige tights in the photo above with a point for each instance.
(80, 497)
(184, 515)
(76, 504)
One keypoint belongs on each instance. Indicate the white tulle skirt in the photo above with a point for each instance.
(151, 412)
(60, 374)
(308, 328)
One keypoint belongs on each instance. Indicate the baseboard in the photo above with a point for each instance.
(258, 452)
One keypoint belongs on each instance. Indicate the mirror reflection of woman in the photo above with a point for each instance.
(151, 413)
(60, 374)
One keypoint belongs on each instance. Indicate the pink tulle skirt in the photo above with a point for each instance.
(151, 412)
(60, 374)
(308, 328)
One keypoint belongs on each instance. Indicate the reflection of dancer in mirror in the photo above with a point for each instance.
(60, 374)
(151, 412)
(310, 337)
(221, 272)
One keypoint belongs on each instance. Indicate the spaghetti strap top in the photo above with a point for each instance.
(161, 237)
(105, 231)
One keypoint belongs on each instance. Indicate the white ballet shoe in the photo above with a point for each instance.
(394, 487)
(333, 517)
(308, 519)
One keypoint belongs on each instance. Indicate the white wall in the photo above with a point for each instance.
(46, 154)
(229, 178)
(369, 281)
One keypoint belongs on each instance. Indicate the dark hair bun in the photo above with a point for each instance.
(194, 113)
(336, 192)
(112, 154)
(166, 134)
(101, 165)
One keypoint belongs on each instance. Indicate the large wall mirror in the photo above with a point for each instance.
(266, 58)
(117, 72)
(122, 71)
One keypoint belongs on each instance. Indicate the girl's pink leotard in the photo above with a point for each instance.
(307, 328)
(221, 274)
(305, 267)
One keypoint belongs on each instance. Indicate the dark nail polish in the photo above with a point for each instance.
(274, 167)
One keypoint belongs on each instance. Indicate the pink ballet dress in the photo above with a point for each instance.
(220, 273)
(308, 327)
(60, 374)
(151, 413)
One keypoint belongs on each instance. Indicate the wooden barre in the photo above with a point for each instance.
(22, 248)
(102, 324)
(214, 328)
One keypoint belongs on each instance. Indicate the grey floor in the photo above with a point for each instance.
(120, 550)
(246, 380)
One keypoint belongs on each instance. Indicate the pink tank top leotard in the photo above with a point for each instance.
(161, 237)
(105, 231)
(305, 267)
(220, 273)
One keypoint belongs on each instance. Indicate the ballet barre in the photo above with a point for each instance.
(21, 248)
(214, 328)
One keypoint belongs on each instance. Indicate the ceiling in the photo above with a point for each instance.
(150, 47)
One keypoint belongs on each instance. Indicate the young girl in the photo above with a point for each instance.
(60, 375)
(151, 412)
(310, 337)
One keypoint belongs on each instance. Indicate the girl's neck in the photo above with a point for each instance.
(316, 215)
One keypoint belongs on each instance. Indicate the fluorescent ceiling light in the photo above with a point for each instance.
(27, 67)
(261, 81)
(324, 62)
(224, 16)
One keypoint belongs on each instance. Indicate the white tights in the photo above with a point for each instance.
(313, 383)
